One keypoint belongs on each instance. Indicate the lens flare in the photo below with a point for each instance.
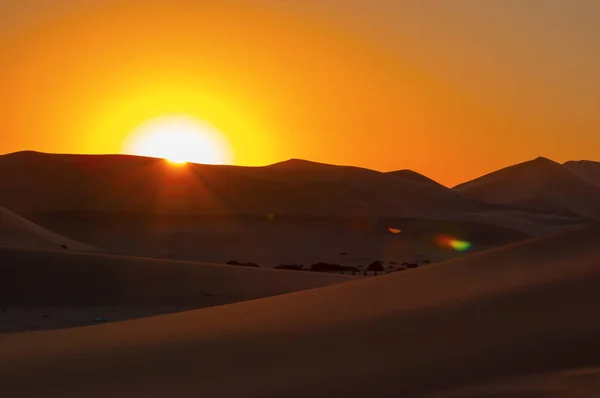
(460, 245)
(452, 243)
(394, 230)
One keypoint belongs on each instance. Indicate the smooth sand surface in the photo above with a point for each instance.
(31, 317)
(16, 231)
(514, 313)
(587, 169)
(48, 289)
(576, 383)
(280, 240)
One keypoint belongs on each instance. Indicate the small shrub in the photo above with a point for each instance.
(376, 266)
(290, 267)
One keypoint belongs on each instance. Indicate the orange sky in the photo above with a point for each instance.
(451, 89)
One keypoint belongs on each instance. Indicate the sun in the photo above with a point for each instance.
(179, 139)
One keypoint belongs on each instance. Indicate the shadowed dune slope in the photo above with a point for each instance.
(31, 277)
(37, 184)
(298, 240)
(539, 185)
(50, 183)
(16, 231)
(519, 311)
(586, 169)
(574, 383)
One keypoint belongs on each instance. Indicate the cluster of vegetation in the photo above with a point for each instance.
(291, 267)
(374, 268)
(233, 262)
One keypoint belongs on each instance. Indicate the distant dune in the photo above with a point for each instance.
(281, 239)
(526, 313)
(36, 182)
(15, 231)
(290, 212)
(539, 185)
(586, 169)
(414, 177)
(51, 188)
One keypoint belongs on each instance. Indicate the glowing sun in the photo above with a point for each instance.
(179, 139)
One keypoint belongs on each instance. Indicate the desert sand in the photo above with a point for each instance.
(33, 183)
(16, 231)
(290, 212)
(587, 169)
(43, 289)
(37, 182)
(279, 240)
(540, 186)
(517, 321)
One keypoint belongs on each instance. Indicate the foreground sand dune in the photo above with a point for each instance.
(32, 277)
(576, 383)
(16, 231)
(518, 312)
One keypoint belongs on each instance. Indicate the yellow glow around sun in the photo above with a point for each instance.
(179, 139)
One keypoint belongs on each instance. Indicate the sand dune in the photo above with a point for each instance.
(532, 224)
(414, 177)
(16, 231)
(575, 383)
(517, 312)
(586, 169)
(51, 183)
(269, 242)
(62, 192)
(50, 289)
(539, 185)
(65, 278)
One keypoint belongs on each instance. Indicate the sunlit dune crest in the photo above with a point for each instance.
(174, 161)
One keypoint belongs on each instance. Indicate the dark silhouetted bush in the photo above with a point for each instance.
(325, 267)
(250, 265)
(348, 268)
(233, 262)
(291, 267)
(376, 266)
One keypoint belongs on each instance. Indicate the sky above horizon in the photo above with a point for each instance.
(451, 89)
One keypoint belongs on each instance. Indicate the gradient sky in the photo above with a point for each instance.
(451, 89)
